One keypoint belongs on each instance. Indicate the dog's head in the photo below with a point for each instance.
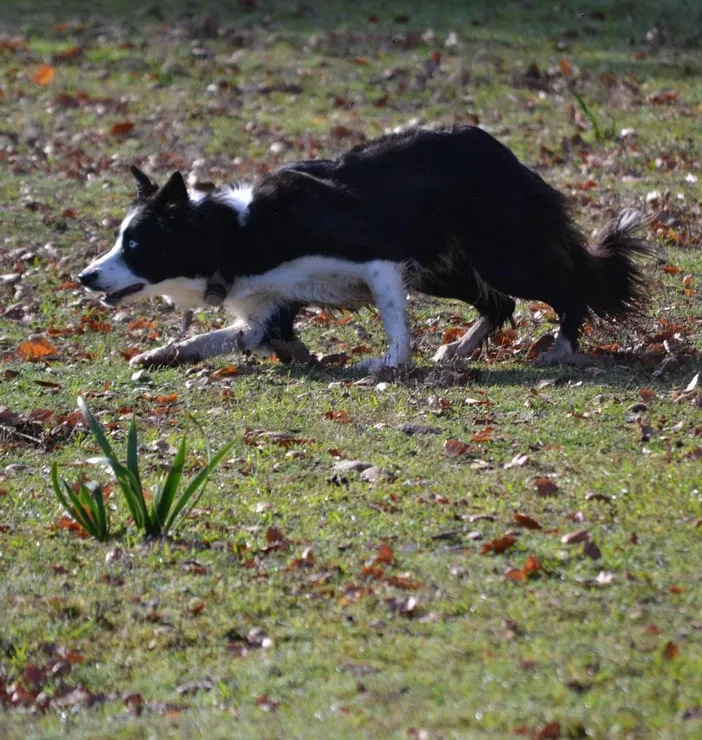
(157, 250)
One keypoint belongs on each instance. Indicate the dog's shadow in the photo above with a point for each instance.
(631, 373)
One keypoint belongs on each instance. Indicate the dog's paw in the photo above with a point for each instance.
(372, 366)
(167, 356)
(376, 366)
(445, 353)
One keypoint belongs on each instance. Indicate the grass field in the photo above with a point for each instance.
(300, 602)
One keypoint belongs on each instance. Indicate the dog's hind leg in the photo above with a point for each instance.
(495, 308)
(566, 344)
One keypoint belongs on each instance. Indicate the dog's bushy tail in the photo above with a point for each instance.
(617, 288)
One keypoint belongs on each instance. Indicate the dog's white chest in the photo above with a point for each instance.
(321, 280)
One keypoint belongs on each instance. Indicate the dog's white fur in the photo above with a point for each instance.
(254, 299)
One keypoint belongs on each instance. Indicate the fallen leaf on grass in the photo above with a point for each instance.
(540, 346)
(68, 54)
(385, 554)
(574, 538)
(484, 435)
(671, 650)
(195, 608)
(498, 545)
(455, 448)
(647, 394)
(256, 437)
(267, 704)
(532, 566)
(122, 128)
(406, 607)
(452, 334)
(193, 566)
(135, 704)
(517, 461)
(646, 430)
(306, 560)
(592, 496)
(551, 731)
(545, 486)
(515, 574)
(65, 522)
(341, 417)
(48, 384)
(127, 354)
(690, 387)
(225, 372)
(44, 75)
(526, 521)
(591, 550)
(403, 581)
(171, 398)
(32, 350)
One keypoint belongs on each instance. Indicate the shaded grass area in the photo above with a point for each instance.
(271, 616)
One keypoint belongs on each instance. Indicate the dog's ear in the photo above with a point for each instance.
(145, 188)
(174, 192)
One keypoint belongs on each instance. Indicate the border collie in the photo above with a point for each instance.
(449, 212)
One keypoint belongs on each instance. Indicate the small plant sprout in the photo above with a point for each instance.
(170, 504)
(87, 506)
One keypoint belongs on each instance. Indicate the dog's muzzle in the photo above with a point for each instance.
(89, 278)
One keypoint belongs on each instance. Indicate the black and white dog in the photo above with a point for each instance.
(449, 213)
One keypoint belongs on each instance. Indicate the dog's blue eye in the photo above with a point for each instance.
(132, 244)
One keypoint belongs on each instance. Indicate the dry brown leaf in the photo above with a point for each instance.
(532, 565)
(452, 334)
(515, 574)
(455, 448)
(32, 350)
(582, 535)
(551, 731)
(341, 417)
(540, 346)
(484, 435)
(498, 545)
(44, 75)
(385, 554)
(545, 486)
(647, 394)
(526, 521)
(671, 650)
(225, 372)
(122, 128)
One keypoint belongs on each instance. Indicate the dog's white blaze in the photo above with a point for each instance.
(115, 275)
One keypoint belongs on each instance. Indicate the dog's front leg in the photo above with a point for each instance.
(386, 282)
(201, 347)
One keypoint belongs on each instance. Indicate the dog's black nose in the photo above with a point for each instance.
(89, 278)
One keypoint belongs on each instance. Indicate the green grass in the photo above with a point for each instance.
(270, 599)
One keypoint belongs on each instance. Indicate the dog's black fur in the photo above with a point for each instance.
(455, 206)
